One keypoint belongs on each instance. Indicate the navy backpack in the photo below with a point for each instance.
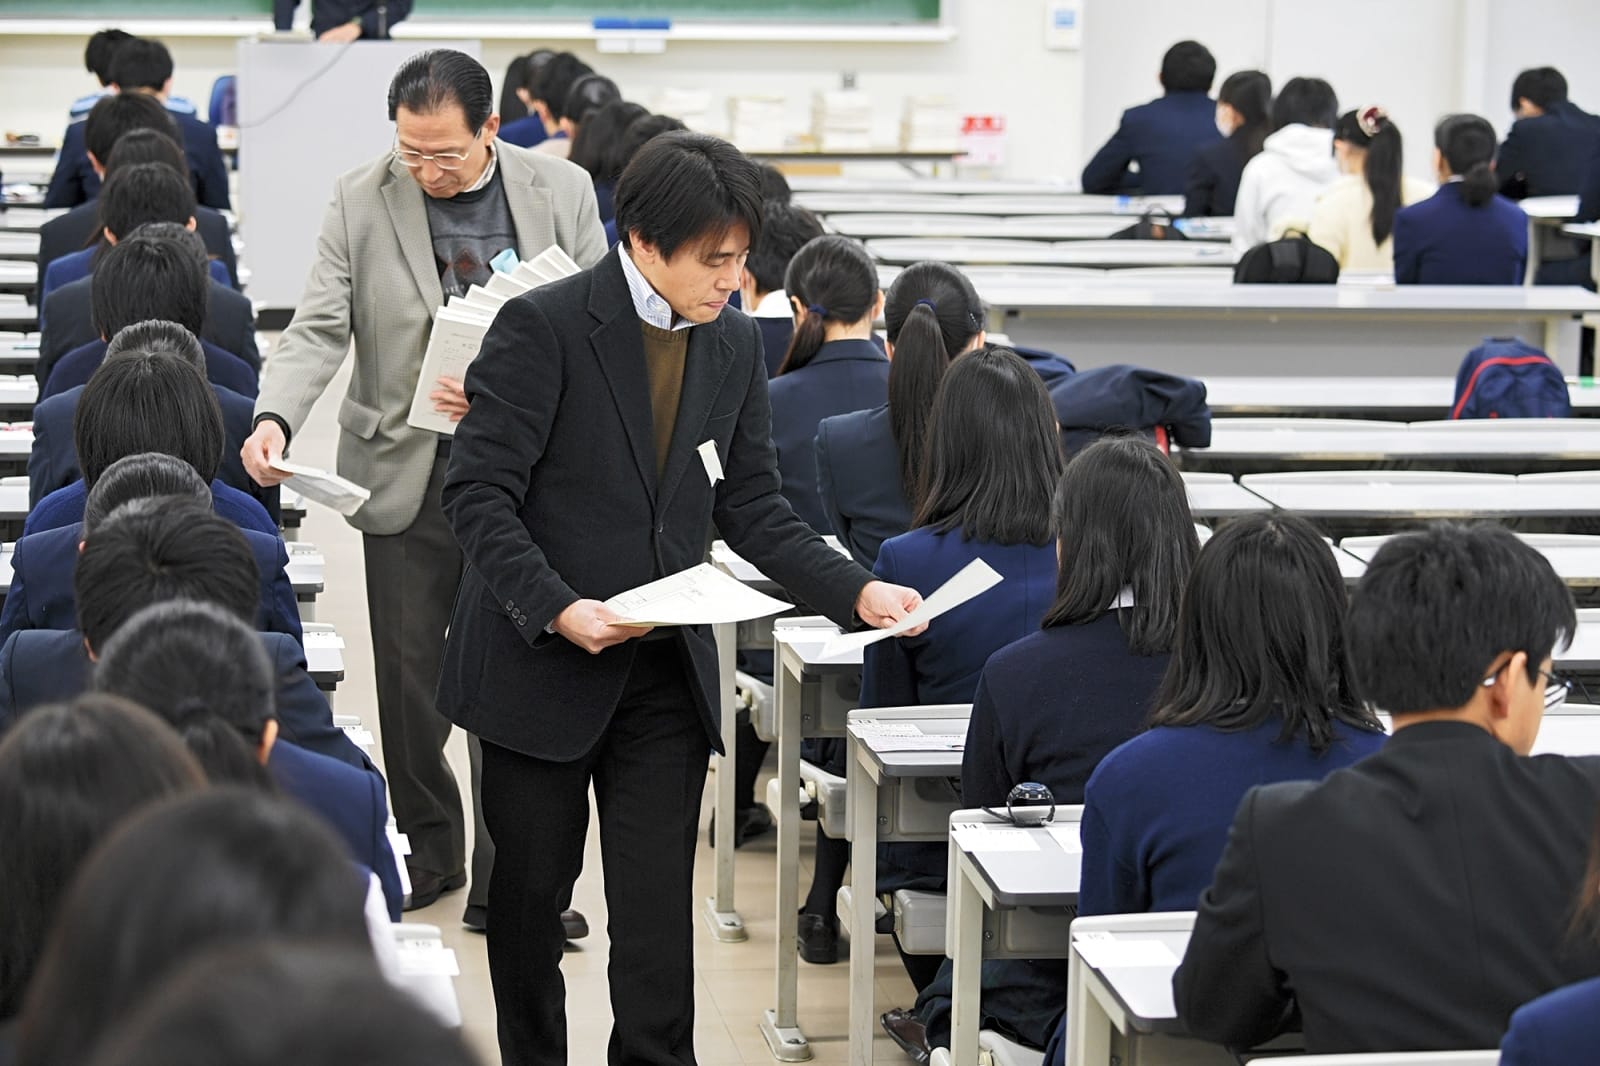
(1505, 378)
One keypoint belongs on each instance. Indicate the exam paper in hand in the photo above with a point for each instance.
(322, 487)
(971, 580)
(701, 595)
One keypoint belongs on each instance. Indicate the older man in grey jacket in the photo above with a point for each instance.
(419, 224)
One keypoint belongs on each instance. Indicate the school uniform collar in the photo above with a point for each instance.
(853, 348)
(1440, 731)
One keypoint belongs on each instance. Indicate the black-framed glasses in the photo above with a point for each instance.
(442, 160)
(1557, 687)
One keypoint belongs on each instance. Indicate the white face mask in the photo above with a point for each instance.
(1227, 120)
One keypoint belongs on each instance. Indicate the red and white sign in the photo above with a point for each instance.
(983, 140)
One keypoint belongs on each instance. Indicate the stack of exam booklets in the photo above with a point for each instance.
(459, 327)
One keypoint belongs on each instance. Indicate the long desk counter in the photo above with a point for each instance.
(1410, 495)
(1036, 228)
(1508, 445)
(19, 276)
(1101, 254)
(1405, 399)
(830, 203)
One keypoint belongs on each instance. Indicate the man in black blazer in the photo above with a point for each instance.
(1412, 901)
(573, 477)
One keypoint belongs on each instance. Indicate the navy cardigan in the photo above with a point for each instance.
(1445, 241)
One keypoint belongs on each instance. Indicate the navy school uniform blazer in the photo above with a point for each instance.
(775, 335)
(76, 367)
(80, 264)
(80, 228)
(524, 132)
(53, 462)
(1213, 184)
(1558, 1028)
(75, 181)
(844, 376)
(40, 666)
(65, 323)
(350, 801)
(1445, 241)
(1589, 195)
(858, 481)
(1162, 136)
(1547, 155)
(64, 507)
(42, 597)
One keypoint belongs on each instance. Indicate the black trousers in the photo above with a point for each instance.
(411, 587)
(648, 772)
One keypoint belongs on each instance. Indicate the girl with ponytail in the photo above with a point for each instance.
(832, 366)
(1466, 233)
(1355, 218)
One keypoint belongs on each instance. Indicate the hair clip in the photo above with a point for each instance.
(1370, 118)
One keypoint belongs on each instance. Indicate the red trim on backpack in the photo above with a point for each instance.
(1498, 360)
(1161, 440)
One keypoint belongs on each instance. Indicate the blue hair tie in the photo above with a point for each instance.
(928, 304)
(819, 310)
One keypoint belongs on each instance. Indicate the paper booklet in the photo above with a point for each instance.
(322, 487)
(459, 327)
(971, 580)
(701, 595)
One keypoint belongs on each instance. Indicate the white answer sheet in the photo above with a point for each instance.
(701, 595)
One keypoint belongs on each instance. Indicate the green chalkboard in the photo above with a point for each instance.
(863, 11)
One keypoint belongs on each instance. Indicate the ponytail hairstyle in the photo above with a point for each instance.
(1249, 92)
(831, 279)
(1371, 130)
(1467, 143)
(206, 673)
(933, 314)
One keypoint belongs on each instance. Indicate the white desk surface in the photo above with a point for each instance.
(1549, 208)
(1582, 229)
(807, 641)
(1047, 876)
(25, 219)
(1388, 494)
(16, 390)
(1082, 253)
(740, 570)
(1250, 395)
(805, 183)
(1035, 228)
(19, 245)
(1145, 992)
(1328, 439)
(1110, 294)
(1576, 559)
(324, 651)
(305, 569)
(16, 274)
(16, 439)
(1219, 496)
(829, 203)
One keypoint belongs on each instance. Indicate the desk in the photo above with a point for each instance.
(966, 227)
(324, 656)
(25, 218)
(1589, 231)
(1575, 557)
(304, 570)
(1545, 214)
(1217, 495)
(1400, 398)
(1400, 495)
(1103, 254)
(1133, 1003)
(20, 352)
(16, 313)
(19, 277)
(831, 203)
(1515, 445)
(807, 183)
(19, 245)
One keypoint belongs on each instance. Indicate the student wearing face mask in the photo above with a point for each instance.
(1244, 118)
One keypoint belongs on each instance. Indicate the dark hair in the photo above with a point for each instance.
(147, 402)
(640, 132)
(555, 79)
(441, 78)
(774, 186)
(68, 774)
(595, 147)
(1543, 87)
(103, 44)
(118, 114)
(141, 193)
(206, 673)
(785, 229)
(589, 93)
(1382, 166)
(835, 280)
(140, 477)
(158, 335)
(533, 69)
(148, 552)
(1307, 101)
(993, 452)
(1262, 634)
(684, 187)
(511, 105)
(1122, 520)
(1467, 144)
(1435, 607)
(223, 865)
(1249, 92)
(1586, 908)
(140, 63)
(932, 313)
(147, 146)
(1188, 67)
(330, 1006)
(144, 277)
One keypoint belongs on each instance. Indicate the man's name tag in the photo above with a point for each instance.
(713, 464)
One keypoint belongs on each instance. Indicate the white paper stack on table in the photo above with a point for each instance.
(931, 124)
(692, 107)
(459, 327)
(842, 120)
(756, 123)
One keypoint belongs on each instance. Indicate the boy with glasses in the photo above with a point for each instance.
(1412, 901)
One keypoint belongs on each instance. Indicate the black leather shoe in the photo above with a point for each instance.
(475, 919)
(818, 940)
(426, 888)
(908, 1033)
(750, 823)
(574, 924)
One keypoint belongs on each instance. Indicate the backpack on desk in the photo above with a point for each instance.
(1505, 378)
(1156, 224)
(1291, 260)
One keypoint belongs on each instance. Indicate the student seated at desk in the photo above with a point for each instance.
(633, 138)
(1279, 188)
(69, 775)
(1244, 116)
(1589, 197)
(1412, 901)
(145, 554)
(597, 148)
(1548, 147)
(42, 564)
(553, 82)
(1050, 706)
(97, 53)
(205, 672)
(130, 128)
(134, 195)
(1464, 234)
(1162, 136)
(588, 94)
(143, 66)
(519, 123)
(785, 229)
(1354, 219)
(53, 461)
(154, 274)
(1562, 1026)
(217, 867)
(831, 366)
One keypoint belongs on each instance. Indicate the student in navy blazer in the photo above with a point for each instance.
(1464, 234)
(1558, 1028)
(785, 229)
(1244, 114)
(1548, 147)
(73, 266)
(205, 671)
(1162, 136)
(832, 367)
(223, 369)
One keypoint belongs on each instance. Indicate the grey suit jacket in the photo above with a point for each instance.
(374, 281)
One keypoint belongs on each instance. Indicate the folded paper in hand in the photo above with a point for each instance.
(322, 487)
(459, 327)
(971, 580)
(701, 595)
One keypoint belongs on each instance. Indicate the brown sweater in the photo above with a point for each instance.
(664, 352)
